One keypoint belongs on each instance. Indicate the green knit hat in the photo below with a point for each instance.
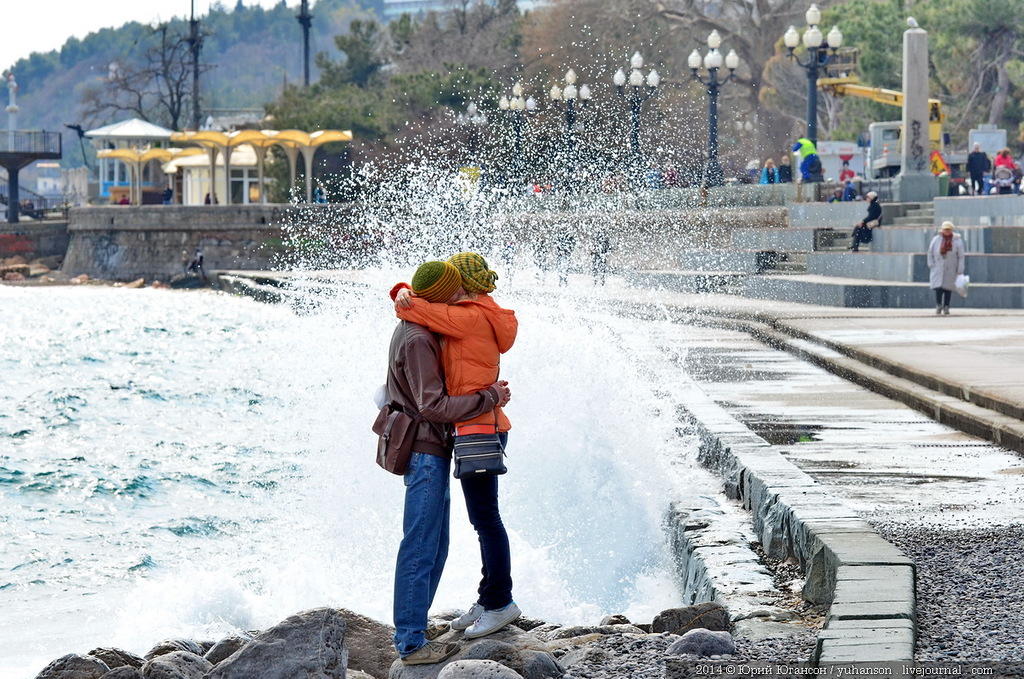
(476, 275)
(436, 281)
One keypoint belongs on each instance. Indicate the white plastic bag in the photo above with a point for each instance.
(962, 281)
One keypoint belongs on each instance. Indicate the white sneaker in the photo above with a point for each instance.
(468, 618)
(492, 621)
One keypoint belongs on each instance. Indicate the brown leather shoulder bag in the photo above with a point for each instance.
(396, 431)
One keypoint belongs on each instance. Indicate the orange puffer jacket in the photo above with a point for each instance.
(475, 332)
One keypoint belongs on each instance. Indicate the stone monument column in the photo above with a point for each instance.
(915, 182)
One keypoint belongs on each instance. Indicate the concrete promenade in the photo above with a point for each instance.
(962, 370)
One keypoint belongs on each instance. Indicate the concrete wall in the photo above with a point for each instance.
(912, 267)
(838, 215)
(800, 240)
(33, 239)
(879, 295)
(981, 210)
(121, 242)
(987, 239)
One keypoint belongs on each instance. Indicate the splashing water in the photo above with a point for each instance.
(189, 464)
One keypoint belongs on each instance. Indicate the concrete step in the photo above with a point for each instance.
(791, 267)
(977, 239)
(945, 402)
(862, 293)
(912, 267)
(912, 221)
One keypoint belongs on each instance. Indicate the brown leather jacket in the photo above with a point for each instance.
(416, 383)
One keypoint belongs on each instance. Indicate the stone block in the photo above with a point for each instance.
(872, 610)
(833, 624)
(875, 590)
(834, 651)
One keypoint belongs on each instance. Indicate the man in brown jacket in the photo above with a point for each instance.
(416, 383)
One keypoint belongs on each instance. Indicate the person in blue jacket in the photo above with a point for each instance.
(810, 163)
(770, 173)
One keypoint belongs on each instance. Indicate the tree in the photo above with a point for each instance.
(363, 50)
(753, 28)
(981, 45)
(156, 88)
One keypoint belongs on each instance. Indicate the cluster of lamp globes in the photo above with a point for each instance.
(571, 92)
(812, 37)
(713, 59)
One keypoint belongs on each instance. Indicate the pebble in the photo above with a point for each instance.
(968, 604)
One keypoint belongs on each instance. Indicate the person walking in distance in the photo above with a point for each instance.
(416, 386)
(946, 259)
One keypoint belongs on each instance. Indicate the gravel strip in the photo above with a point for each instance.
(969, 584)
(632, 657)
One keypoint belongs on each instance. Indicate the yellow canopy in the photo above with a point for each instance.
(291, 141)
(136, 158)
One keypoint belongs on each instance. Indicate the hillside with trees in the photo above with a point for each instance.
(401, 87)
(250, 54)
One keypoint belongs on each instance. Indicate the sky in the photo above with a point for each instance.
(48, 23)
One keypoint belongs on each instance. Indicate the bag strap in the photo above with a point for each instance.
(416, 417)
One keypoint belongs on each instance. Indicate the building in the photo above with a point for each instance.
(396, 8)
(114, 175)
(189, 177)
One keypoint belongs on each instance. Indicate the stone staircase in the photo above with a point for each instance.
(809, 260)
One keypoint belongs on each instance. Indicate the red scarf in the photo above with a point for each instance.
(947, 244)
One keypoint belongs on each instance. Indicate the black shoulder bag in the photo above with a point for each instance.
(479, 453)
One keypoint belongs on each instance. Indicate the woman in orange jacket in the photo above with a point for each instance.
(475, 332)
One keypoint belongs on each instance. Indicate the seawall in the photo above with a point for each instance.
(154, 242)
(33, 239)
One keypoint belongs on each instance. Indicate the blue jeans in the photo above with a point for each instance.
(481, 493)
(424, 548)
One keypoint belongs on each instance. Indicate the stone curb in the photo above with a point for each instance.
(866, 581)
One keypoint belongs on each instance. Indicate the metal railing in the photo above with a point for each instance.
(31, 141)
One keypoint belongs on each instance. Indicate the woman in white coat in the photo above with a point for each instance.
(945, 262)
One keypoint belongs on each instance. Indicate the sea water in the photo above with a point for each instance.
(186, 464)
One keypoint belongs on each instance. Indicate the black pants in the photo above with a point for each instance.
(942, 296)
(861, 234)
(977, 184)
(481, 494)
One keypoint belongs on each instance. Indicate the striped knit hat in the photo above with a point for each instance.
(476, 275)
(436, 281)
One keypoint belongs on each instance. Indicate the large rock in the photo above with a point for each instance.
(115, 657)
(477, 669)
(497, 651)
(540, 665)
(177, 665)
(225, 647)
(369, 643)
(510, 647)
(709, 615)
(703, 643)
(617, 619)
(124, 672)
(171, 645)
(527, 624)
(74, 666)
(308, 645)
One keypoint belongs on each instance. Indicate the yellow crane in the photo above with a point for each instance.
(842, 81)
(850, 87)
